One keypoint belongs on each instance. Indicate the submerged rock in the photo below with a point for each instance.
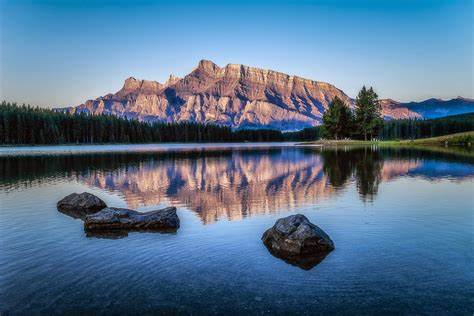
(305, 262)
(122, 219)
(298, 241)
(78, 205)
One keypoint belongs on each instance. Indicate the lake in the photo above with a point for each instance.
(402, 220)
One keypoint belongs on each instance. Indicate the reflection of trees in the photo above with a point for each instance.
(235, 182)
(338, 166)
(368, 169)
(220, 183)
(364, 164)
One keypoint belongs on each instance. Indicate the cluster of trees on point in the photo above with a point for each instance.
(364, 123)
(402, 129)
(339, 121)
(34, 125)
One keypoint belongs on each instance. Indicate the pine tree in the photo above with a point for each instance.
(337, 120)
(368, 113)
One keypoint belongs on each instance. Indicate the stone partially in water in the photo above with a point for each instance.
(78, 205)
(121, 219)
(298, 241)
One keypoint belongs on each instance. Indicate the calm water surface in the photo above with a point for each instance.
(402, 221)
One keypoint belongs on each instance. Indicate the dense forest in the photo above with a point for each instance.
(32, 125)
(403, 129)
(305, 135)
(414, 129)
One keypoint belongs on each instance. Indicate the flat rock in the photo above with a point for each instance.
(78, 205)
(122, 219)
(298, 241)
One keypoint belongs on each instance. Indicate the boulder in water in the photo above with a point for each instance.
(122, 219)
(78, 205)
(298, 241)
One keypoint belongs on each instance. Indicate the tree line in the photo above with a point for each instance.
(33, 125)
(400, 129)
(419, 128)
(22, 124)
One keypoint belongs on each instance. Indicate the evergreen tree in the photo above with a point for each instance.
(368, 113)
(337, 120)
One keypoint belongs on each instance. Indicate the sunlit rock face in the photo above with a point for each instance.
(395, 110)
(219, 187)
(235, 95)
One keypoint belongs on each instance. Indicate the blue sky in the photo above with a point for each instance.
(58, 53)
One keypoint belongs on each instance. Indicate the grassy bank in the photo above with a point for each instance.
(459, 139)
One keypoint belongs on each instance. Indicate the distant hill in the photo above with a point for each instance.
(434, 108)
(245, 97)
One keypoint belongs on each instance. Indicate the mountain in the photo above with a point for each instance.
(434, 108)
(235, 95)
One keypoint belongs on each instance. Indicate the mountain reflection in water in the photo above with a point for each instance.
(237, 182)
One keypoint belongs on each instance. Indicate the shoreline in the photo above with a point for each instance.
(458, 140)
(126, 148)
(464, 139)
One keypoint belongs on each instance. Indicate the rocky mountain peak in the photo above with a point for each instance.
(172, 79)
(131, 84)
(151, 86)
(242, 97)
(208, 67)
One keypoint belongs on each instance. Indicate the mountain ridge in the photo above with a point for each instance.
(238, 96)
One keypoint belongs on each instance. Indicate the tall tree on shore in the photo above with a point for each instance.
(337, 120)
(368, 113)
